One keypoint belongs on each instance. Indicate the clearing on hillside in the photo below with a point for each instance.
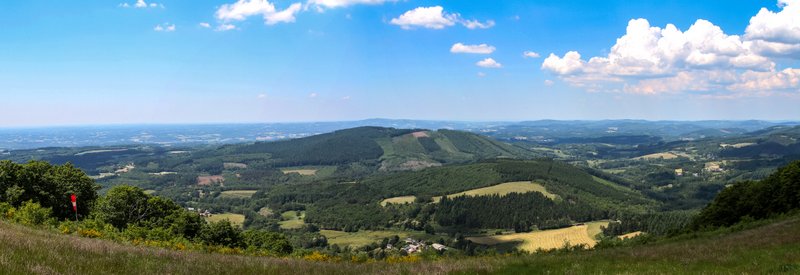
(302, 172)
(210, 180)
(547, 239)
(398, 200)
(360, 238)
(505, 189)
(292, 220)
(234, 165)
(630, 235)
(265, 211)
(665, 155)
(235, 219)
(237, 194)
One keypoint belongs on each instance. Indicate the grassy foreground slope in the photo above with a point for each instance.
(771, 248)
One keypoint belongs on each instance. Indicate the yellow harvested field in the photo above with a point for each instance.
(399, 200)
(238, 194)
(236, 219)
(666, 155)
(505, 189)
(303, 172)
(360, 238)
(547, 239)
(630, 235)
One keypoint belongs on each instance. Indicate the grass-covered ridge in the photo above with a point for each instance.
(767, 248)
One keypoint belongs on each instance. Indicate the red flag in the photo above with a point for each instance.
(74, 203)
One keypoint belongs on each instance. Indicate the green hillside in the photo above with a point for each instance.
(769, 248)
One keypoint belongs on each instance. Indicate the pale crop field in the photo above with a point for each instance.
(237, 194)
(547, 239)
(303, 172)
(630, 235)
(505, 189)
(399, 200)
(236, 219)
(666, 155)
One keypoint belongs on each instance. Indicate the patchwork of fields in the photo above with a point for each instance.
(505, 189)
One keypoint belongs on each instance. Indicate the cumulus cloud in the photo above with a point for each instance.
(435, 18)
(548, 82)
(166, 27)
(243, 9)
(703, 59)
(489, 63)
(312, 95)
(776, 33)
(204, 25)
(477, 49)
(530, 54)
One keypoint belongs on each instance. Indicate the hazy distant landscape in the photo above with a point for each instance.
(399, 137)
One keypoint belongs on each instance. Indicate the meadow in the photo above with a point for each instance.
(361, 238)
(505, 189)
(292, 220)
(398, 200)
(236, 219)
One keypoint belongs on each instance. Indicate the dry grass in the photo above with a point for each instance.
(547, 239)
(398, 200)
(505, 189)
(31, 251)
(630, 235)
(420, 134)
(236, 219)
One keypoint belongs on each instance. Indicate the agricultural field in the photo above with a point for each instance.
(265, 211)
(322, 171)
(237, 194)
(210, 180)
(236, 219)
(630, 235)
(362, 237)
(665, 155)
(547, 239)
(505, 189)
(292, 219)
(398, 200)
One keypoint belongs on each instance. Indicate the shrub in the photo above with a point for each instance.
(6, 210)
(221, 233)
(32, 213)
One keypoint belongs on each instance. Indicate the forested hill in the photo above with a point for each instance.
(393, 149)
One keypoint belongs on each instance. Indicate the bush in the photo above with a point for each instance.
(221, 233)
(274, 243)
(31, 213)
(6, 210)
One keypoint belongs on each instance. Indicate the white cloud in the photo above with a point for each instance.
(141, 4)
(345, 3)
(489, 63)
(703, 59)
(312, 95)
(435, 18)
(477, 49)
(548, 82)
(261, 96)
(346, 97)
(205, 25)
(166, 27)
(530, 54)
(225, 27)
(243, 9)
(782, 27)
(426, 17)
(481, 74)
(475, 24)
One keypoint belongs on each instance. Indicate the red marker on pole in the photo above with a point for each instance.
(74, 206)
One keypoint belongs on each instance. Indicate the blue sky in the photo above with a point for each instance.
(116, 62)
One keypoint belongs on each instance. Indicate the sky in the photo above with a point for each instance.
(165, 61)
